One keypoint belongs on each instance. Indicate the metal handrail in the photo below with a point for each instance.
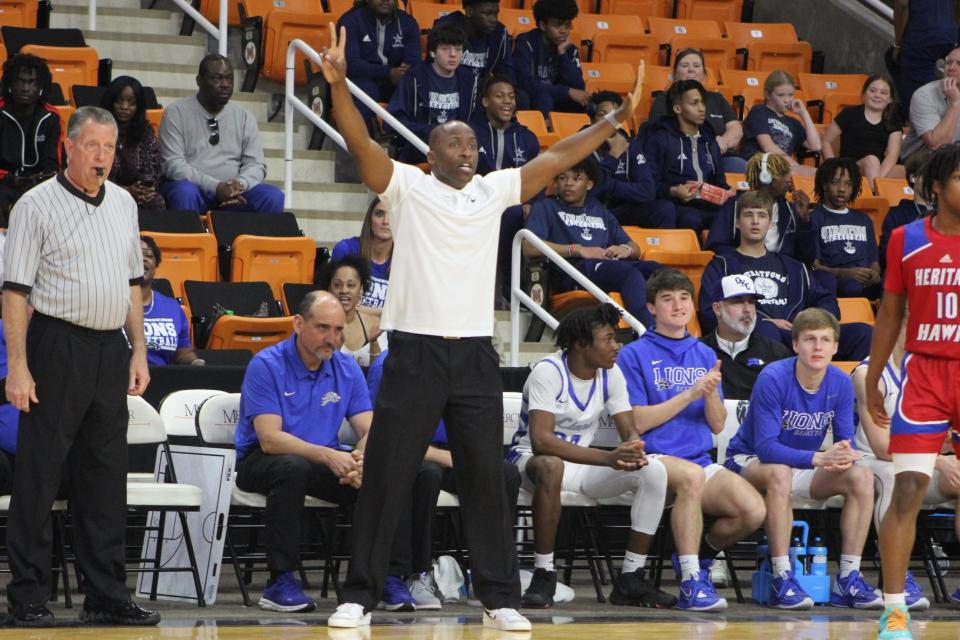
(219, 32)
(295, 103)
(880, 8)
(517, 295)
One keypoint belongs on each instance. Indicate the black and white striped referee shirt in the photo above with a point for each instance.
(75, 255)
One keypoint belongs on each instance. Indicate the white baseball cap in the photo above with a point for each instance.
(736, 286)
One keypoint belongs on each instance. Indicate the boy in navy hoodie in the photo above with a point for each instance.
(434, 91)
(908, 210)
(547, 61)
(502, 142)
(793, 405)
(579, 227)
(784, 285)
(683, 155)
(846, 243)
(488, 47)
(382, 43)
(628, 187)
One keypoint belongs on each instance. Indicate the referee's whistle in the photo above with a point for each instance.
(99, 171)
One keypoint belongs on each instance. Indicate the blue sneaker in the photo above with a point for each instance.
(894, 624)
(700, 595)
(396, 596)
(705, 565)
(285, 594)
(852, 591)
(916, 601)
(955, 597)
(788, 594)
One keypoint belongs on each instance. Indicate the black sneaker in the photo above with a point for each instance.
(632, 589)
(117, 612)
(543, 586)
(29, 615)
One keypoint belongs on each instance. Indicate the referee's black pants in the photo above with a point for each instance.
(426, 378)
(78, 428)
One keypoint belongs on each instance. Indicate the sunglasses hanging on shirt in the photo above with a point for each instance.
(214, 128)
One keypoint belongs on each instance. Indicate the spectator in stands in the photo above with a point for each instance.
(435, 91)
(768, 127)
(502, 141)
(414, 547)
(689, 65)
(873, 443)
(784, 285)
(577, 226)
(136, 165)
(165, 325)
(870, 133)
(374, 246)
(935, 110)
(286, 440)
(30, 133)
(846, 242)
(383, 43)
(924, 32)
(211, 151)
(908, 210)
(674, 385)
(347, 279)
(628, 186)
(684, 157)
(488, 47)
(777, 447)
(547, 61)
(565, 398)
(742, 353)
(769, 174)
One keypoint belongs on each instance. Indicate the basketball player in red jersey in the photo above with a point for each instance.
(923, 273)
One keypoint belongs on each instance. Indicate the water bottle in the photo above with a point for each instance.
(797, 553)
(818, 557)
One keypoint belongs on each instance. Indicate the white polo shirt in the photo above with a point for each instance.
(443, 271)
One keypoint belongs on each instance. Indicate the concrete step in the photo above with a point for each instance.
(308, 166)
(117, 19)
(101, 4)
(329, 196)
(329, 227)
(179, 55)
(257, 103)
(272, 136)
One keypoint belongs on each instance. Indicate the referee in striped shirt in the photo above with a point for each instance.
(73, 255)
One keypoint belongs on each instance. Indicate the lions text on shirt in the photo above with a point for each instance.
(444, 99)
(658, 368)
(769, 281)
(445, 241)
(579, 406)
(165, 329)
(844, 238)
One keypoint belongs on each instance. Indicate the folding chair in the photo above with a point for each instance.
(178, 411)
(186, 256)
(146, 427)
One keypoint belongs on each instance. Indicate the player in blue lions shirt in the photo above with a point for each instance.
(577, 226)
(846, 242)
(674, 384)
(165, 326)
(295, 396)
(777, 448)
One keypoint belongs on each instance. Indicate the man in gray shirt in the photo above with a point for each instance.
(211, 151)
(935, 110)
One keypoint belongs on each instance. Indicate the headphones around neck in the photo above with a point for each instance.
(765, 177)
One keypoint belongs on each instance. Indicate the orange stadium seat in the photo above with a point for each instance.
(65, 112)
(718, 53)
(618, 47)
(567, 124)
(252, 334)
(425, 13)
(855, 310)
(769, 46)
(876, 208)
(718, 10)
(339, 7)
(847, 366)
(19, 13)
(516, 21)
(834, 103)
(68, 65)
(534, 121)
(563, 303)
(678, 248)
(656, 81)
(642, 8)
(154, 116)
(748, 85)
(738, 181)
(817, 86)
(667, 31)
(210, 9)
(597, 33)
(282, 26)
(186, 256)
(894, 190)
(272, 260)
(618, 77)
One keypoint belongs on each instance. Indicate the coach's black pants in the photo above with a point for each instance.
(426, 378)
(78, 428)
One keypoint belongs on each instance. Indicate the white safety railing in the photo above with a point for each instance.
(293, 103)
(880, 8)
(219, 32)
(518, 295)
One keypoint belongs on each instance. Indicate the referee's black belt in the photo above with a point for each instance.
(99, 333)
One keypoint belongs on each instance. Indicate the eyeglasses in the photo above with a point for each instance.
(214, 128)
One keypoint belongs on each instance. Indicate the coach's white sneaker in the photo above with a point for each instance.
(349, 616)
(505, 620)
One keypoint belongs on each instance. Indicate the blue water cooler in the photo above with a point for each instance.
(809, 565)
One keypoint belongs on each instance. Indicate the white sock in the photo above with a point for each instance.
(633, 561)
(848, 564)
(543, 561)
(780, 565)
(891, 599)
(689, 567)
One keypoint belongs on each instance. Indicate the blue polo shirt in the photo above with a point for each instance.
(312, 404)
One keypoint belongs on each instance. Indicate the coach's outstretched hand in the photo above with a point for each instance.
(630, 105)
(334, 65)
